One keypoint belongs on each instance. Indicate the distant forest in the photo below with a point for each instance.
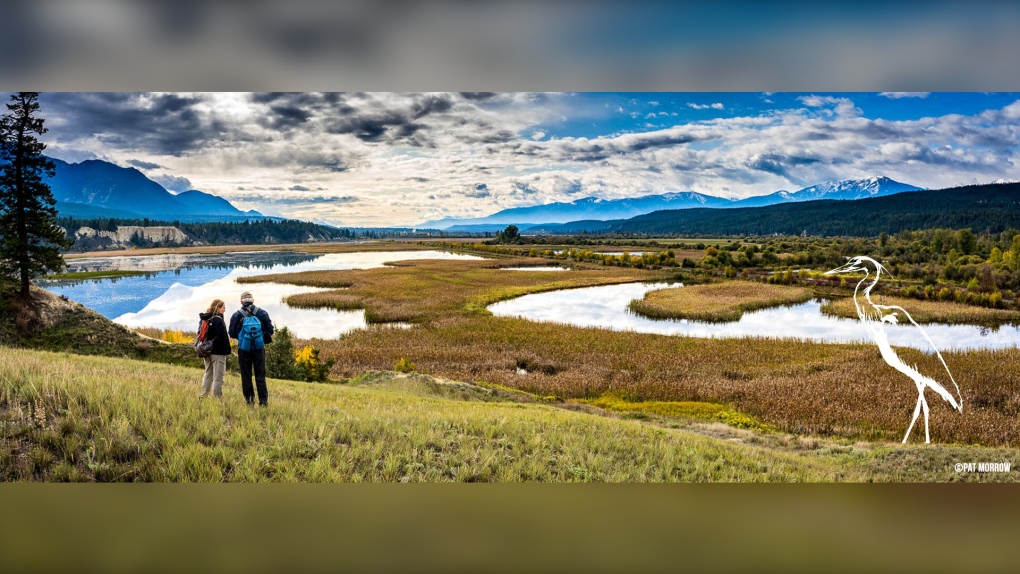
(251, 232)
(991, 208)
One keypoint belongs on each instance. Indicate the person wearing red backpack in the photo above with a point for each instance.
(212, 328)
(253, 330)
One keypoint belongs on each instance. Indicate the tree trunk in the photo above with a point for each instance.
(22, 225)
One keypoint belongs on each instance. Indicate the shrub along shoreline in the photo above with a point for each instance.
(929, 311)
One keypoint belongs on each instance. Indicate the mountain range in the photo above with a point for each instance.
(990, 207)
(98, 189)
(585, 208)
(592, 208)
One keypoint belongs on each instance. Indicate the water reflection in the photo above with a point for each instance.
(173, 297)
(178, 261)
(606, 307)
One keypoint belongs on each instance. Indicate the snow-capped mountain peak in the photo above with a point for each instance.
(874, 186)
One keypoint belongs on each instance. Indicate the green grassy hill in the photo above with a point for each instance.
(74, 418)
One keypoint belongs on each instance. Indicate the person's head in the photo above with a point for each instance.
(247, 299)
(217, 306)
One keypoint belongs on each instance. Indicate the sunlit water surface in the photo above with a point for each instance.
(607, 307)
(175, 288)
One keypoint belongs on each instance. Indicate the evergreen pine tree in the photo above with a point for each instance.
(280, 357)
(30, 240)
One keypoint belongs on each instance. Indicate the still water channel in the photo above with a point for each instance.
(175, 288)
(606, 307)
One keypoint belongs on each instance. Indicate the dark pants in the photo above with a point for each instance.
(256, 360)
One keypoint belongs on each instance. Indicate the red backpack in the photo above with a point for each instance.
(203, 348)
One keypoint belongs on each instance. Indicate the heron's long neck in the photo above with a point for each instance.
(871, 285)
(867, 288)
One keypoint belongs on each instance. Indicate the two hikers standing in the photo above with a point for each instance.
(253, 329)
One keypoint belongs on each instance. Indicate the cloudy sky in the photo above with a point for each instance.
(376, 159)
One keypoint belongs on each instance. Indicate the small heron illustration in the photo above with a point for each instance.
(874, 317)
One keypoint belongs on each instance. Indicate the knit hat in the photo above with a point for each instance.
(246, 297)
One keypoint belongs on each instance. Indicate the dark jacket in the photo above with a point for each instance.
(267, 324)
(216, 332)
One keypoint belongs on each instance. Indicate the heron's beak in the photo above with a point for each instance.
(848, 268)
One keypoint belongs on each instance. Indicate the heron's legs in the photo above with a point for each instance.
(924, 404)
(917, 411)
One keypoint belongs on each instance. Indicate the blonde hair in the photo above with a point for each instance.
(215, 305)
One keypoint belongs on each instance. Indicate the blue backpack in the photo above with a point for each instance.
(251, 332)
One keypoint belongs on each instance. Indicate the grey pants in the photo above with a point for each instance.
(215, 367)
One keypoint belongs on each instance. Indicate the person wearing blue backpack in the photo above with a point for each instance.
(253, 330)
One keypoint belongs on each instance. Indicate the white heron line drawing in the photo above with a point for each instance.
(874, 317)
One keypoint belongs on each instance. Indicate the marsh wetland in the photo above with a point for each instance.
(569, 337)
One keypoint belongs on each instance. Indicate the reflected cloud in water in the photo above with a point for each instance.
(607, 307)
(172, 299)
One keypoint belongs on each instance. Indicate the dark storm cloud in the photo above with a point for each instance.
(477, 96)
(599, 149)
(285, 117)
(404, 119)
(478, 191)
(779, 164)
(144, 164)
(287, 110)
(373, 119)
(299, 188)
(385, 125)
(657, 140)
(268, 97)
(431, 104)
(162, 124)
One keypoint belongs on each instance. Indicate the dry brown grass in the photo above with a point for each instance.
(425, 289)
(717, 301)
(929, 311)
(800, 387)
